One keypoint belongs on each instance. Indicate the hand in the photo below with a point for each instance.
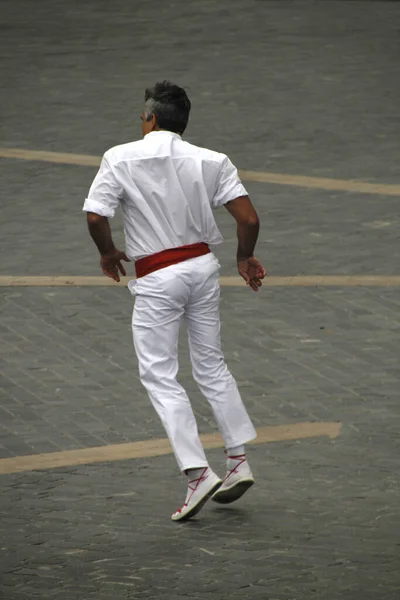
(111, 263)
(252, 272)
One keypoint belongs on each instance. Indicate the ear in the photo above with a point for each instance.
(153, 123)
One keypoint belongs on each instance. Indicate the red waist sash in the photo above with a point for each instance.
(172, 256)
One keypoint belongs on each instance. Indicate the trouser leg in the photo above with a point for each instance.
(156, 345)
(209, 369)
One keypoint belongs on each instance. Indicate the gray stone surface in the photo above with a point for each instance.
(70, 377)
(310, 528)
(323, 519)
(296, 87)
(293, 87)
(281, 86)
(304, 231)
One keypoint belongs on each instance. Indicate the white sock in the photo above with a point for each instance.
(195, 473)
(236, 451)
(235, 456)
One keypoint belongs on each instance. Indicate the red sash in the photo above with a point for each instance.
(172, 256)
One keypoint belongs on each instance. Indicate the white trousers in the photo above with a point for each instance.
(188, 290)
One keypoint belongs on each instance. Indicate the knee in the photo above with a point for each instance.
(157, 382)
(208, 371)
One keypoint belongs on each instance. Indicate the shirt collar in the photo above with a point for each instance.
(163, 132)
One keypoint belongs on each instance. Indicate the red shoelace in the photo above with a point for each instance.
(197, 482)
(241, 458)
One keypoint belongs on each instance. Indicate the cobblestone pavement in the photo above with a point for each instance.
(297, 87)
(305, 232)
(322, 520)
(292, 87)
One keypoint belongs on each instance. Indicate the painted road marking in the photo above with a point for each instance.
(323, 183)
(158, 447)
(54, 157)
(296, 281)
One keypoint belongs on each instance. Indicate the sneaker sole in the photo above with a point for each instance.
(234, 493)
(197, 508)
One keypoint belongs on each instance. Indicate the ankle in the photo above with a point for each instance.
(235, 457)
(237, 452)
(195, 473)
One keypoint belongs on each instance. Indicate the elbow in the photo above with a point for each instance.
(251, 222)
(93, 218)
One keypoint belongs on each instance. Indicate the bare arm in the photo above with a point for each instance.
(248, 226)
(110, 261)
(100, 231)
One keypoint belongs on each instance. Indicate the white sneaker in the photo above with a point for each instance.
(237, 481)
(199, 491)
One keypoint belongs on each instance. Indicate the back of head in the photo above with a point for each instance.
(170, 105)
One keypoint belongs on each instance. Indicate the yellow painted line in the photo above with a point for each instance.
(297, 281)
(324, 183)
(333, 280)
(54, 157)
(158, 447)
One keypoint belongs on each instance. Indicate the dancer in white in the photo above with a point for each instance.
(167, 189)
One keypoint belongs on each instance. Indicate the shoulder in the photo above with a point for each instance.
(122, 152)
(204, 154)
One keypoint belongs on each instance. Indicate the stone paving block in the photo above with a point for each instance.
(301, 521)
(310, 373)
(323, 520)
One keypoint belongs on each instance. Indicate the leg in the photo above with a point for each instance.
(208, 364)
(220, 389)
(156, 345)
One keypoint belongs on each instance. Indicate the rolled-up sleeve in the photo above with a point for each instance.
(228, 186)
(105, 192)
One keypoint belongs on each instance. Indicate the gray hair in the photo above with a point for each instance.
(170, 105)
(150, 108)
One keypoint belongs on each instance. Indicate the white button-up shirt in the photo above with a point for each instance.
(167, 189)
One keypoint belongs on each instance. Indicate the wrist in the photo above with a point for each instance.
(241, 256)
(106, 252)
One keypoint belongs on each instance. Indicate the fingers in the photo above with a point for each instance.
(253, 282)
(245, 277)
(112, 267)
(121, 268)
(124, 257)
(254, 286)
(112, 273)
(259, 269)
(260, 272)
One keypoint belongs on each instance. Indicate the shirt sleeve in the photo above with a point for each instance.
(105, 192)
(228, 186)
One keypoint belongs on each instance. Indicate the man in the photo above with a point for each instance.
(167, 189)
